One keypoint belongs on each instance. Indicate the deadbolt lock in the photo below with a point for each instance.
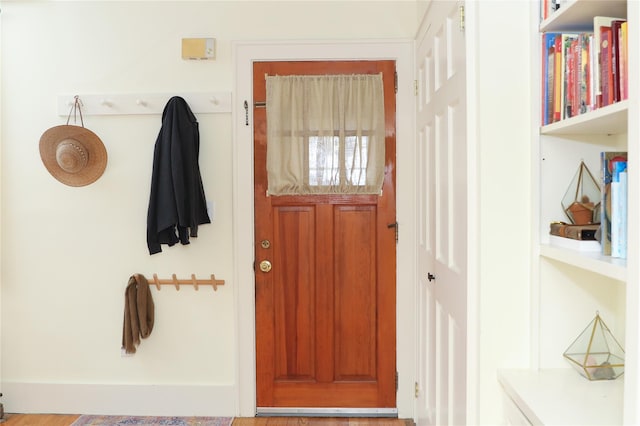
(265, 266)
(265, 244)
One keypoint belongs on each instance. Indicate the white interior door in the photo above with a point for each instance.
(442, 216)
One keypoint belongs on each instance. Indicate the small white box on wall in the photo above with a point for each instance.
(199, 48)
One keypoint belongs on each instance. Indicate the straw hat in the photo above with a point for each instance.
(72, 154)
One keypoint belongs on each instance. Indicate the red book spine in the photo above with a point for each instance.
(615, 58)
(606, 80)
(585, 98)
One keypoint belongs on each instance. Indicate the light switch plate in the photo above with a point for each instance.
(199, 48)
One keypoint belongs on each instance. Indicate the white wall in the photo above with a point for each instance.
(502, 113)
(67, 252)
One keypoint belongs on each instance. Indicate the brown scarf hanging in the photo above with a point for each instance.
(138, 313)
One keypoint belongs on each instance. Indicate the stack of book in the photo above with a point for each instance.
(610, 235)
(576, 237)
(583, 71)
(614, 203)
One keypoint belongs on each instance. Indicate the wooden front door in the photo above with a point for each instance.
(326, 310)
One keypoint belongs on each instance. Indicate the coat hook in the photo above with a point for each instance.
(141, 103)
(194, 281)
(214, 100)
(106, 103)
(175, 281)
(214, 284)
(156, 281)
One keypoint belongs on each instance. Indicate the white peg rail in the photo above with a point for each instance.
(144, 103)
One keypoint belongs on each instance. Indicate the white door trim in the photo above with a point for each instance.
(244, 54)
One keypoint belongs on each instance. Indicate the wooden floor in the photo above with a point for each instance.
(39, 419)
(66, 420)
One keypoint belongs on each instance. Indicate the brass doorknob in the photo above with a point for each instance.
(265, 266)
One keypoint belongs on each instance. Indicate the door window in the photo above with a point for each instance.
(326, 134)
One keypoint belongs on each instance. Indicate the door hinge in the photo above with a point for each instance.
(461, 11)
(396, 381)
(395, 81)
(416, 392)
(394, 225)
(415, 87)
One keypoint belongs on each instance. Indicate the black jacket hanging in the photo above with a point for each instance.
(177, 204)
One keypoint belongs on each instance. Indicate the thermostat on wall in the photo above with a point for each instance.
(198, 48)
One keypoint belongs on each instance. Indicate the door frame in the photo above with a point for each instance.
(244, 54)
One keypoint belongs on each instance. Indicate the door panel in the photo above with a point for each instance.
(294, 229)
(325, 312)
(355, 231)
(442, 217)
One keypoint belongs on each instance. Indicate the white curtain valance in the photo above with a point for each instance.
(325, 134)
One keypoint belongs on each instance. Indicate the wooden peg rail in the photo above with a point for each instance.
(174, 281)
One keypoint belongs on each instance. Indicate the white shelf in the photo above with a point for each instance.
(609, 120)
(578, 15)
(563, 397)
(590, 261)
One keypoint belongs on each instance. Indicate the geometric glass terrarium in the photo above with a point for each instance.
(581, 201)
(596, 354)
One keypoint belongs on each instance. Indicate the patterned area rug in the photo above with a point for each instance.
(91, 420)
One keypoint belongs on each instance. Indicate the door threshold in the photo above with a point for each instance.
(326, 412)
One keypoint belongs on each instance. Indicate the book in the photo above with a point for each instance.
(607, 161)
(615, 58)
(576, 76)
(606, 73)
(593, 75)
(548, 7)
(557, 86)
(568, 74)
(619, 209)
(624, 66)
(544, 62)
(575, 232)
(583, 73)
(599, 21)
(579, 245)
(624, 189)
(548, 76)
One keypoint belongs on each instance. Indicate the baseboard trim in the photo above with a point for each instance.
(132, 400)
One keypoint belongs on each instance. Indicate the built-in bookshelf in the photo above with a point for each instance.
(570, 286)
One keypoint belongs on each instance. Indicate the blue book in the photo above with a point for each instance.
(619, 209)
(607, 162)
